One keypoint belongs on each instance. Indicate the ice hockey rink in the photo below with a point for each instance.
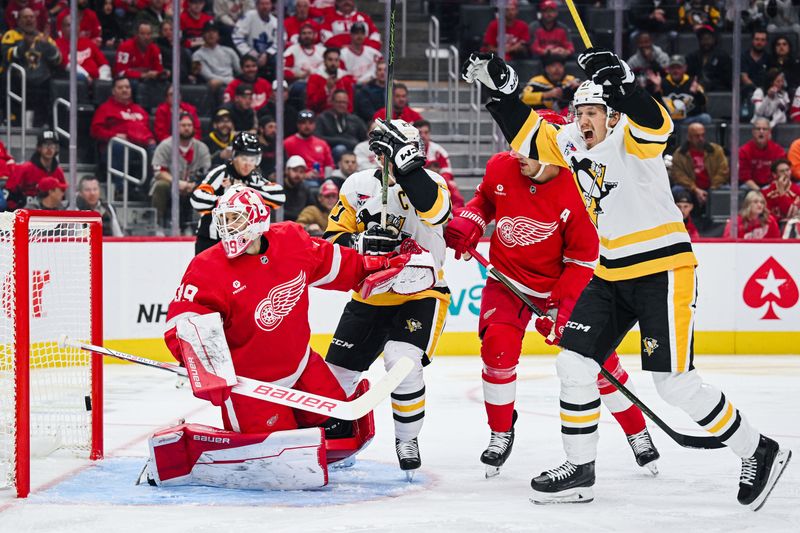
(695, 489)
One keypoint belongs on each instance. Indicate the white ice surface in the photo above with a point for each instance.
(695, 491)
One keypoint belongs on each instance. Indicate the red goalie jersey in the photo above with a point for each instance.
(263, 299)
(544, 239)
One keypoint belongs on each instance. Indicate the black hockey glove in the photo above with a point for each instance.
(607, 69)
(377, 240)
(385, 139)
(491, 71)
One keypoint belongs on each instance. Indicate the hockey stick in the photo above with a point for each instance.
(687, 441)
(389, 98)
(271, 392)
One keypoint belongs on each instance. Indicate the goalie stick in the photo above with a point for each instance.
(687, 441)
(271, 392)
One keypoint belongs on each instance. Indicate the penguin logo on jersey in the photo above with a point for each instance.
(280, 301)
(412, 325)
(523, 231)
(650, 345)
(591, 178)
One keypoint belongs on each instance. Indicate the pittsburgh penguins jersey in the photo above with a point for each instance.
(622, 179)
(417, 206)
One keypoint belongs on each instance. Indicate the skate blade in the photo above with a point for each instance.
(492, 471)
(410, 475)
(344, 463)
(576, 495)
(778, 466)
(652, 467)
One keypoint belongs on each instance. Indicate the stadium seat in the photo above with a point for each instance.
(200, 97)
(59, 88)
(474, 19)
(102, 90)
(718, 104)
(786, 134)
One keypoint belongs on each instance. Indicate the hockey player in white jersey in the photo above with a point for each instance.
(646, 272)
(418, 205)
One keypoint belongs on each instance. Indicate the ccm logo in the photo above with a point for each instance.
(215, 440)
(341, 343)
(578, 326)
(294, 397)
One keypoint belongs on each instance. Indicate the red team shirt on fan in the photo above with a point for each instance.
(335, 32)
(312, 149)
(39, 10)
(318, 97)
(407, 114)
(90, 58)
(755, 162)
(89, 27)
(263, 299)
(113, 118)
(262, 90)
(162, 125)
(292, 26)
(540, 227)
(192, 29)
(780, 204)
(517, 32)
(132, 61)
(702, 181)
(26, 176)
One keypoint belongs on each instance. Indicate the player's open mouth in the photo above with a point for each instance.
(588, 135)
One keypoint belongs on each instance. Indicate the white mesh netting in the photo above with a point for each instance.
(59, 303)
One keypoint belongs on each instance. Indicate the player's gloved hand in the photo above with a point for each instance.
(551, 324)
(491, 71)
(606, 68)
(377, 240)
(411, 271)
(385, 139)
(464, 231)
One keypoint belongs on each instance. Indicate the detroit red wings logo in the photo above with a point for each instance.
(523, 231)
(279, 302)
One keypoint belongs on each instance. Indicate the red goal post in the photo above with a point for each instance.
(51, 398)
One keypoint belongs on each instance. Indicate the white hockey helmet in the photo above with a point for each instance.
(589, 92)
(241, 216)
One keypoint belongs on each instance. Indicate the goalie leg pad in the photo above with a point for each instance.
(193, 454)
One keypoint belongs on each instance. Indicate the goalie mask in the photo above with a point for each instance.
(241, 217)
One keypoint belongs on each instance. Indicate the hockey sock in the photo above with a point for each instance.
(500, 349)
(580, 406)
(628, 416)
(709, 407)
(408, 399)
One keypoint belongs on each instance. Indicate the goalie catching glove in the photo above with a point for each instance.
(491, 71)
(387, 140)
(607, 69)
(409, 272)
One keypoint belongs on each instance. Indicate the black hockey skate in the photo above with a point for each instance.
(408, 455)
(760, 472)
(644, 451)
(568, 483)
(500, 443)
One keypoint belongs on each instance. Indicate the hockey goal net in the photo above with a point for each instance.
(50, 397)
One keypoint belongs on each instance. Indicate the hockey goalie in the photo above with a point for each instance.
(242, 310)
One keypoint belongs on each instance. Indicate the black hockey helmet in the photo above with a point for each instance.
(245, 143)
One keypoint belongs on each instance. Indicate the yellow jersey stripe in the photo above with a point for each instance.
(646, 268)
(580, 419)
(642, 150)
(682, 298)
(525, 131)
(663, 131)
(408, 408)
(440, 206)
(724, 420)
(644, 235)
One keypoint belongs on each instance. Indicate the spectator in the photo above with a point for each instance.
(335, 31)
(365, 158)
(314, 218)
(756, 156)
(302, 16)
(549, 35)
(289, 110)
(683, 96)
(88, 23)
(39, 56)
(228, 13)
(324, 81)
(781, 15)
(6, 169)
(25, 177)
(92, 64)
(219, 139)
(314, 151)
(267, 129)
(88, 199)
(241, 109)
(752, 13)
(771, 101)
(189, 71)
(754, 220)
(400, 107)
(152, 13)
(256, 34)
(699, 166)
(371, 96)
(653, 16)
(517, 34)
(755, 62)
(50, 196)
(359, 60)
(303, 57)
(37, 7)
(111, 31)
(437, 160)
(162, 125)
(710, 65)
(138, 58)
(193, 163)
(345, 167)
(782, 57)
(696, 13)
(120, 117)
(339, 128)
(262, 89)
(218, 63)
(298, 195)
(193, 24)
(648, 57)
(684, 202)
(553, 89)
(783, 196)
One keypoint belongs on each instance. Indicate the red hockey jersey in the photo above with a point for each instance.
(544, 239)
(263, 299)
(131, 61)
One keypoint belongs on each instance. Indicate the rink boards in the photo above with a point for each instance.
(747, 301)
